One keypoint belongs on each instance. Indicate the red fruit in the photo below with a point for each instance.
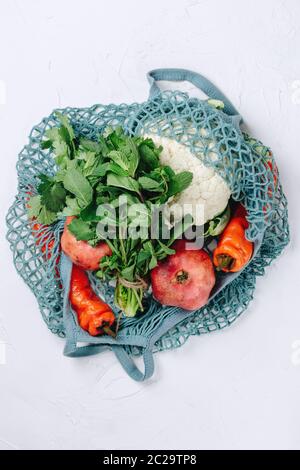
(80, 252)
(184, 279)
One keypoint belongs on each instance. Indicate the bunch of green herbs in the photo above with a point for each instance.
(92, 174)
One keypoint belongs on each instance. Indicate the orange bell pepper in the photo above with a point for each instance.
(234, 251)
(94, 315)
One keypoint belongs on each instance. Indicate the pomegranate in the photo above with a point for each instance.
(184, 279)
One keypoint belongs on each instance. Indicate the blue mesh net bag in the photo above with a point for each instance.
(245, 164)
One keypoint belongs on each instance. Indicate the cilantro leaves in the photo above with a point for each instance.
(53, 194)
(37, 210)
(179, 182)
(82, 230)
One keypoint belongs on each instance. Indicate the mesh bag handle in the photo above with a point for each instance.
(200, 82)
(131, 368)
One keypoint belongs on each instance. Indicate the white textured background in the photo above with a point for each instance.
(238, 388)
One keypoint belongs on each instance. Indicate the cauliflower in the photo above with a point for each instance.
(208, 194)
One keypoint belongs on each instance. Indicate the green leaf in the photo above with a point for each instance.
(59, 177)
(128, 273)
(132, 154)
(103, 146)
(88, 214)
(66, 124)
(81, 230)
(77, 184)
(143, 256)
(164, 249)
(58, 144)
(147, 245)
(153, 262)
(38, 211)
(124, 182)
(168, 172)
(146, 257)
(85, 155)
(120, 159)
(179, 182)
(61, 140)
(55, 199)
(114, 168)
(53, 134)
(90, 145)
(46, 217)
(116, 138)
(148, 157)
(90, 163)
(46, 144)
(125, 153)
(149, 184)
(72, 207)
(53, 194)
(64, 133)
(34, 206)
(103, 168)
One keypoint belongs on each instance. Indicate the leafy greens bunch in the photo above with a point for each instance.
(93, 173)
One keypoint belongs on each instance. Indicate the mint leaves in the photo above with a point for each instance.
(124, 182)
(179, 182)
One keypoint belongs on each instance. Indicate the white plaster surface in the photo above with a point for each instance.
(235, 389)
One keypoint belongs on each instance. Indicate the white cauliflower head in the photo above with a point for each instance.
(208, 194)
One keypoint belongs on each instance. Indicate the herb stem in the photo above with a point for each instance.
(123, 252)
